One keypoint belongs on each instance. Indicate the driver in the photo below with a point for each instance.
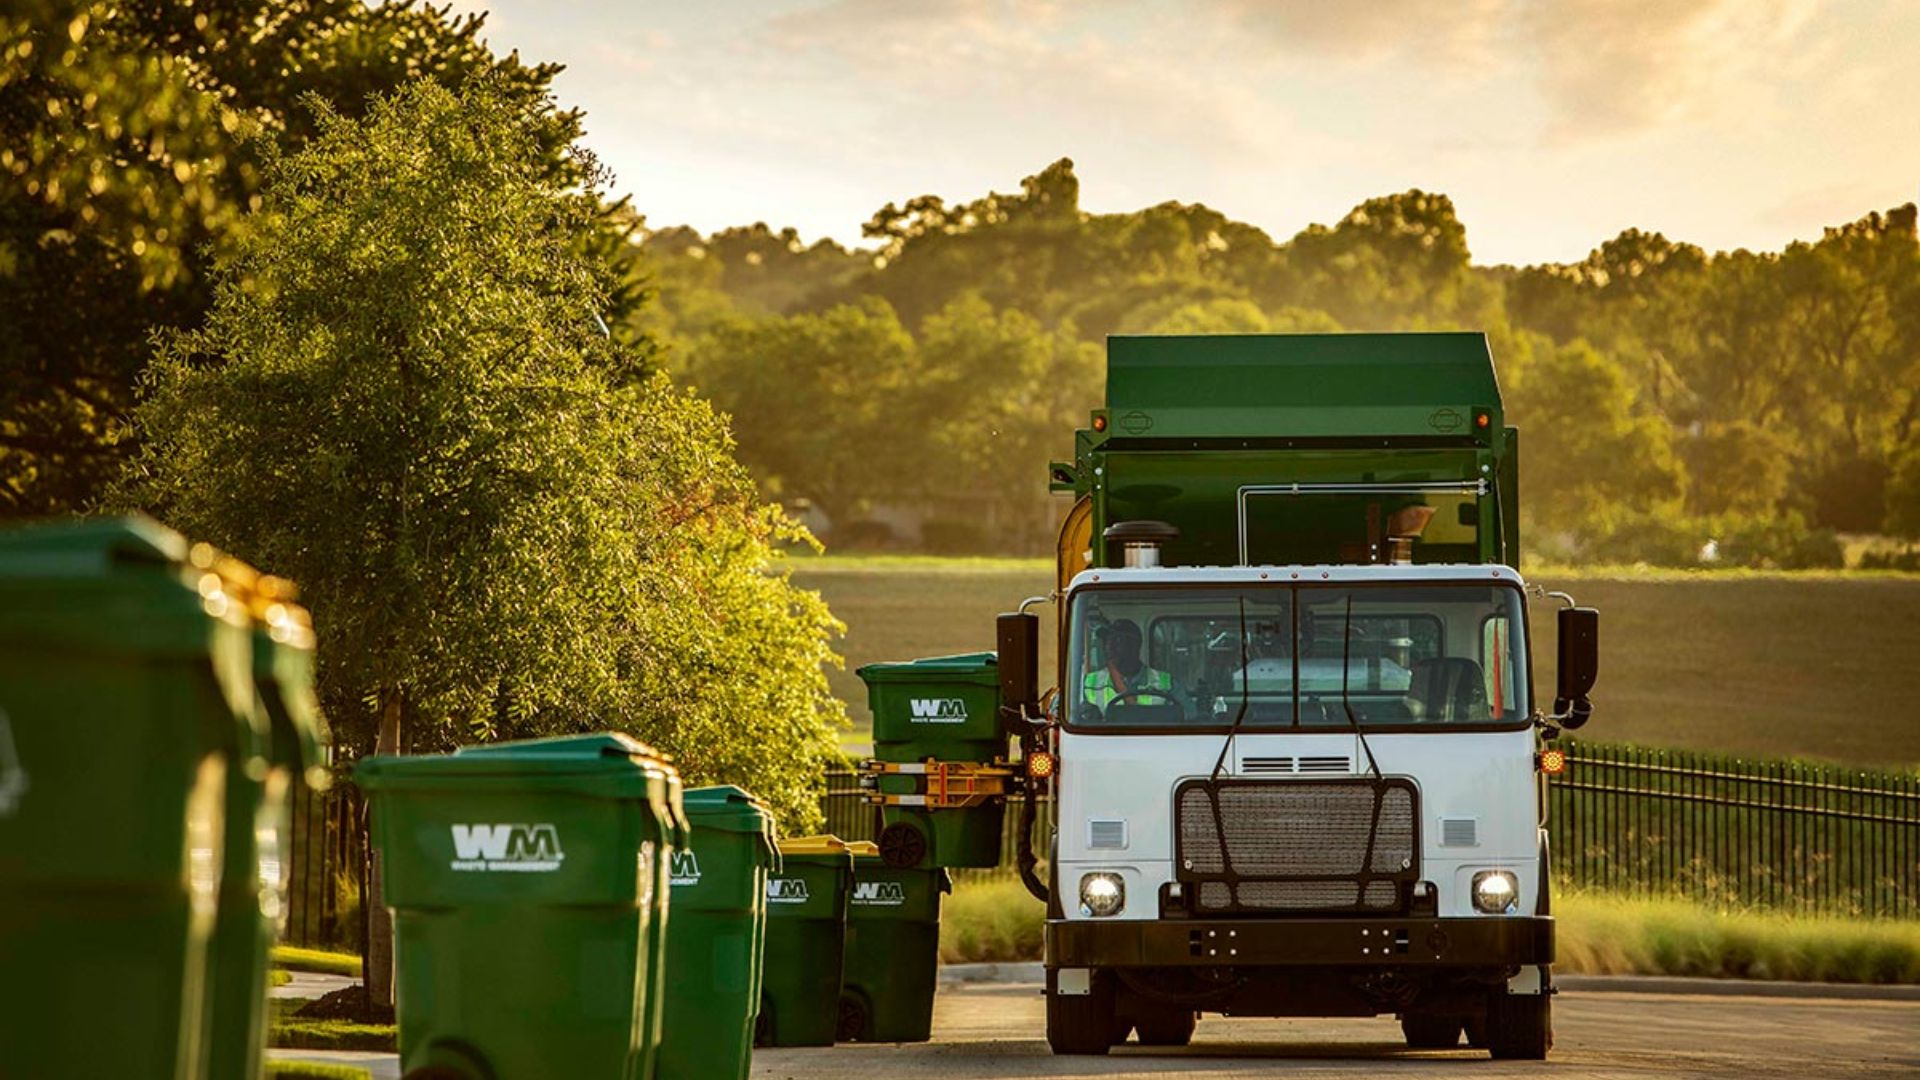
(1126, 674)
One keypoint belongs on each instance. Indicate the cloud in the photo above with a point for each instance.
(1064, 73)
(1600, 66)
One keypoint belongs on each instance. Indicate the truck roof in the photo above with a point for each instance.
(1309, 574)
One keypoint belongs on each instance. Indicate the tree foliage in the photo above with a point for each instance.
(1711, 393)
(130, 142)
(403, 398)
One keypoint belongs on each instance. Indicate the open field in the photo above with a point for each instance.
(1818, 665)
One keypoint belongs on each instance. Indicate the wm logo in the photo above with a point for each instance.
(938, 710)
(507, 847)
(879, 894)
(684, 869)
(786, 891)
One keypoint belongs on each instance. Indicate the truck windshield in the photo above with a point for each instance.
(1411, 654)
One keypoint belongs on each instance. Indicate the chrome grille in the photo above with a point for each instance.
(1296, 845)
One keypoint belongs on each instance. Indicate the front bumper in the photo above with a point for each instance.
(1493, 941)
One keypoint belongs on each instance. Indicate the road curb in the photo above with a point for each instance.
(1673, 984)
(952, 975)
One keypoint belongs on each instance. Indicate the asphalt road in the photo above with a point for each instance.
(997, 1031)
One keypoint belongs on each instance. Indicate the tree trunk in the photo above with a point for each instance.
(378, 973)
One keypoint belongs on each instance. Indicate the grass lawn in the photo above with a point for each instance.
(1597, 935)
(316, 960)
(289, 1032)
(314, 1070)
(1813, 665)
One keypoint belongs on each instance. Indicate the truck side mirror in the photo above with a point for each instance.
(1017, 637)
(1578, 664)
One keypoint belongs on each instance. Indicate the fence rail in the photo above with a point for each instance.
(1783, 835)
(1725, 831)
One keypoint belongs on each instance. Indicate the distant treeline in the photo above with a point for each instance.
(1736, 407)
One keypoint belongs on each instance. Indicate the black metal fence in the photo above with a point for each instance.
(1724, 831)
(1732, 832)
(327, 868)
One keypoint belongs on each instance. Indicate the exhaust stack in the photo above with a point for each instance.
(1138, 542)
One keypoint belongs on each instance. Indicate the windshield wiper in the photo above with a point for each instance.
(1346, 701)
(1246, 680)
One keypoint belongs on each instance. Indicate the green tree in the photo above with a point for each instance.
(1903, 495)
(1736, 468)
(402, 399)
(1002, 393)
(130, 142)
(1589, 452)
(815, 403)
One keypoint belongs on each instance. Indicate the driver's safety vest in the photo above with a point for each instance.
(1102, 686)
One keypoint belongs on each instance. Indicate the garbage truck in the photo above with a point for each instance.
(1295, 763)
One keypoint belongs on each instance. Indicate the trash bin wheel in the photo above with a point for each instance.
(763, 1023)
(902, 846)
(856, 1019)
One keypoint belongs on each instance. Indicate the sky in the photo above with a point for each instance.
(1553, 124)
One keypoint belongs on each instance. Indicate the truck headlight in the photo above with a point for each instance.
(1102, 895)
(1496, 892)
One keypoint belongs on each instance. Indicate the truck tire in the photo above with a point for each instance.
(1426, 1031)
(1519, 1026)
(1165, 1027)
(1082, 1023)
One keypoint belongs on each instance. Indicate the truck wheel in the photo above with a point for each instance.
(1082, 1023)
(1425, 1031)
(1165, 1027)
(1519, 1026)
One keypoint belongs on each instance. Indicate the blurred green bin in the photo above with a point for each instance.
(893, 950)
(806, 942)
(717, 935)
(945, 708)
(253, 890)
(523, 878)
(126, 685)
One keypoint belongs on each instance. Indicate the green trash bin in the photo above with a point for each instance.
(944, 708)
(522, 879)
(125, 685)
(806, 942)
(716, 936)
(253, 890)
(893, 950)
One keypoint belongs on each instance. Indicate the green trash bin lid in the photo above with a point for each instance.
(88, 547)
(607, 764)
(977, 667)
(726, 808)
(599, 745)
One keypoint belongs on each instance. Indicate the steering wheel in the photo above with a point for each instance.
(1091, 713)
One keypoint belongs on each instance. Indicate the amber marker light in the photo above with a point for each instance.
(1553, 762)
(1099, 422)
(1482, 419)
(1040, 765)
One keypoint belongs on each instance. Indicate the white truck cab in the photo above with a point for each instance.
(1298, 790)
